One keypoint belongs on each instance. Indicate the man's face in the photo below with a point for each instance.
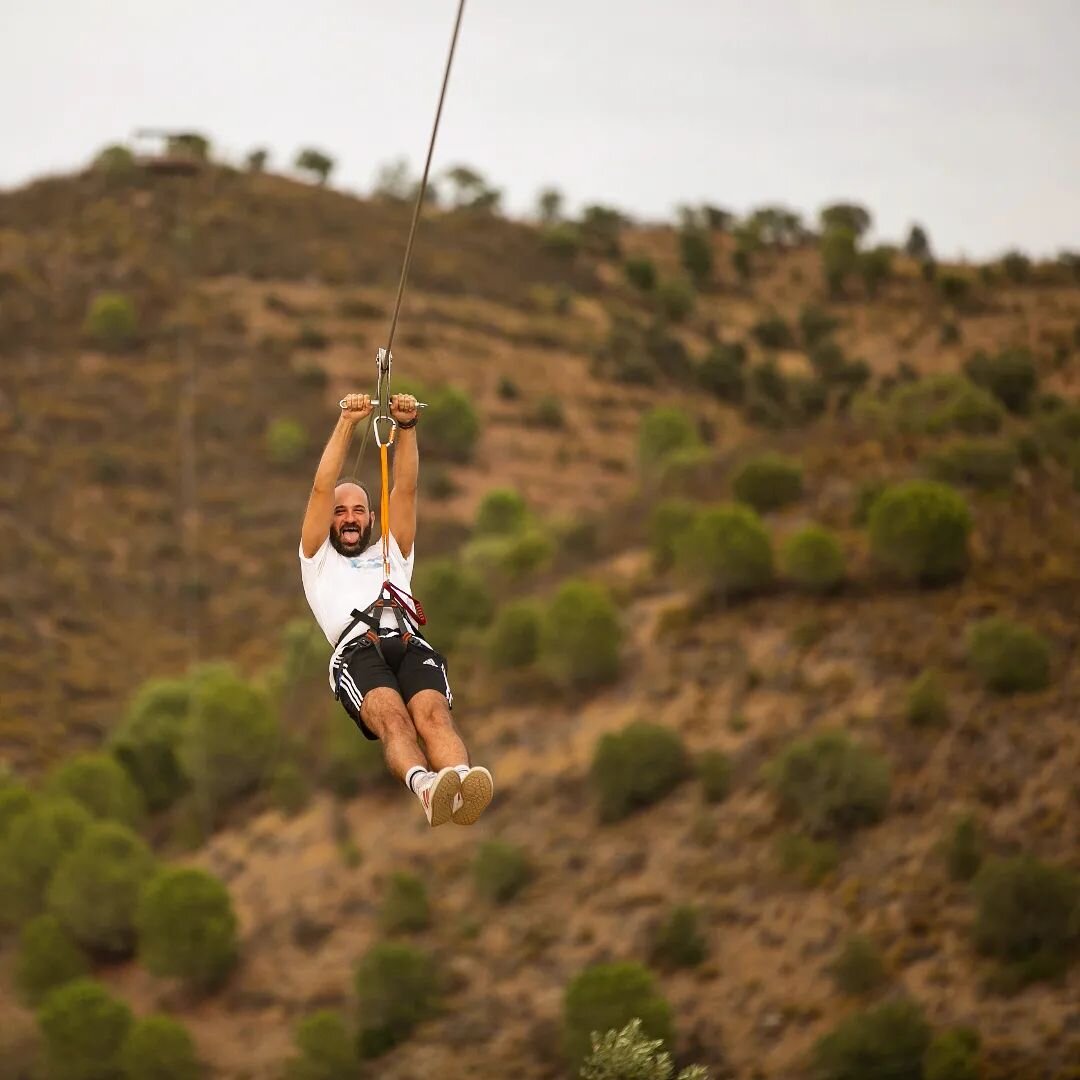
(350, 531)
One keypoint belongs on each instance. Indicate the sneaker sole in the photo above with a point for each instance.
(476, 791)
(443, 791)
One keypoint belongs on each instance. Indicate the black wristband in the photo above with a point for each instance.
(408, 425)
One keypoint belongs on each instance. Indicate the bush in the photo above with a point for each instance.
(111, 321)
(405, 904)
(580, 636)
(927, 704)
(815, 325)
(500, 871)
(159, 1048)
(1027, 916)
(502, 512)
(667, 522)
(773, 332)
(115, 161)
(964, 850)
(952, 1055)
(868, 493)
(889, 1040)
(839, 257)
(831, 784)
(664, 431)
(722, 372)
(811, 860)
(15, 799)
(454, 598)
(1010, 375)
(47, 958)
(549, 413)
(942, 403)
(768, 482)
(813, 559)
(514, 638)
(985, 464)
(858, 968)
(875, 268)
(1009, 657)
(286, 442)
(450, 426)
(607, 997)
(714, 772)
(679, 943)
(146, 741)
(919, 532)
(636, 767)
(696, 255)
(641, 273)
(954, 288)
(396, 989)
(629, 1055)
(675, 298)
(31, 850)
(327, 1052)
(727, 549)
(110, 864)
(187, 928)
(101, 784)
(84, 1028)
(562, 239)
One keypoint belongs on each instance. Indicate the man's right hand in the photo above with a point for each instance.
(356, 407)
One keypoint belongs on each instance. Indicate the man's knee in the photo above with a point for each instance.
(430, 712)
(384, 712)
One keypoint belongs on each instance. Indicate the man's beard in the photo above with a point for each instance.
(350, 550)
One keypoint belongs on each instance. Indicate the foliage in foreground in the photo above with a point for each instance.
(630, 1054)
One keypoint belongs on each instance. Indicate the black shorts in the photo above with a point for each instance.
(408, 669)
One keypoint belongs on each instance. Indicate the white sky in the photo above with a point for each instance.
(963, 115)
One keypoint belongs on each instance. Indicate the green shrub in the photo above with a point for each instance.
(286, 442)
(15, 799)
(714, 772)
(675, 299)
(101, 784)
(722, 372)
(828, 361)
(773, 332)
(397, 987)
(964, 849)
(327, 1051)
(146, 741)
(858, 968)
(83, 1027)
(1008, 657)
(514, 638)
(889, 1040)
(607, 997)
(111, 321)
(549, 413)
(641, 273)
(636, 767)
(815, 325)
(501, 871)
(629, 1055)
(696, 255)
(727, 550)
(507, 389)
(454, 598)
(667, 522)
(868, 493)
(954, 289)
(679, 942)
(839, 257)
(30, 851)
(115, 161)
(187, 928)
(952, 1055)
(352, 762)
(450, 426)
(810, 860)
(941, 403)
(664, 431)
(927, 703)
(875, 268)
(813, 559)
(580, 636)
(509, 558)
(502, 512)
(159, 1048)
(768, 482)
(95, 889)
(1027, 916)
(404, 905)
(563, 239)
(831, 784)
(47, 958)
(919, 532)
(687, 471)
(1010, 375)
(985, 464)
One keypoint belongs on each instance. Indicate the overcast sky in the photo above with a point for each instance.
(963, 115)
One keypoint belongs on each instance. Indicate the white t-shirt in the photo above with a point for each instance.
(335, 584)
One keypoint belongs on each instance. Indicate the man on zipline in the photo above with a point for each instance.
(387, 677)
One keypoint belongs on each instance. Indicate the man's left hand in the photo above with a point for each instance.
(403, 408)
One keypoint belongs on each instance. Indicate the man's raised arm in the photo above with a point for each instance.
(320, 507)
(403, 409)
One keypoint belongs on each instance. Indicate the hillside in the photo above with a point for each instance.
(262, 300)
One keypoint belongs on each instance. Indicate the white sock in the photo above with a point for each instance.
(462, 770)
(417, 771)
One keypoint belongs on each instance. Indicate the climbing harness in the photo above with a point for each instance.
(408, 611)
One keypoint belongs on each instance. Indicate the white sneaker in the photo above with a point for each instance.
(476, 791)
(437, 794)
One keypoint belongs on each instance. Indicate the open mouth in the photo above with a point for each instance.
(350, 535)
